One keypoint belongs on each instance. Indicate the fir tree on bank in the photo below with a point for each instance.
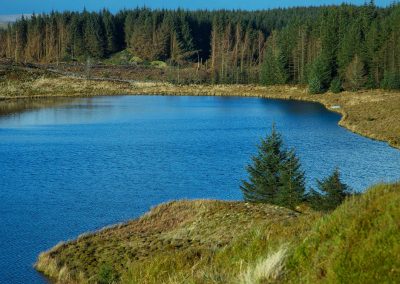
(275, 175)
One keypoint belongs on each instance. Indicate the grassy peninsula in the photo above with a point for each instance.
(236, 242)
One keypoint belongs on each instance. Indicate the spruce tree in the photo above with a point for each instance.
(264, 180)
(274, 176)
(94, 36)
(315, 85)
(357, 44)
(336, 86)
(292, 182)
(330, 194)
(76, 40)
(110, 32)
(319, 76)
(273, 68)
(391, 81)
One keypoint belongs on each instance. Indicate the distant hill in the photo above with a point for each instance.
(6, 19)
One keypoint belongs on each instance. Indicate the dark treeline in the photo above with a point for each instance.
(336, 47)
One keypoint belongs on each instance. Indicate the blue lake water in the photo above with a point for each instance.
(92, 162)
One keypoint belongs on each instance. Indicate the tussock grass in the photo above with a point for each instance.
(265, 270)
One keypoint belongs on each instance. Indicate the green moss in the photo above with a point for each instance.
(136, 59)
(158, 64)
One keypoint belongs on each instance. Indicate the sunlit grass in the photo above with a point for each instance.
(268, 269)
(180, 241)
(234, 242)
(358, 243)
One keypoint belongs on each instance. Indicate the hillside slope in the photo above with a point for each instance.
(358, 243)
(236, 242)
(204, 240)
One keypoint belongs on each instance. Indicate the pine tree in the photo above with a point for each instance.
(391, 81)
(292, 188)
(264, 179)
(336, 85)
(110, 31)
(319, 76)
(273, 68)
(274, 176)
(330, 194)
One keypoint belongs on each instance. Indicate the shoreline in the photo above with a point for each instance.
(363, 112)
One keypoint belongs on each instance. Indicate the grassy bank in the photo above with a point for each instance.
(358, 243)
(204, 241)
(373, 113)
(235, 242)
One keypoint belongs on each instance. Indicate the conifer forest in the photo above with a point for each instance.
(333, 48)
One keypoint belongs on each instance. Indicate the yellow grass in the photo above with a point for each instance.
(266, 270)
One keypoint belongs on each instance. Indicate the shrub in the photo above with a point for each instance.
(106, 275)
(330, 194)
(319, 76)
(315, 86)
(336, 86)
(158, 64)
(391, 81)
